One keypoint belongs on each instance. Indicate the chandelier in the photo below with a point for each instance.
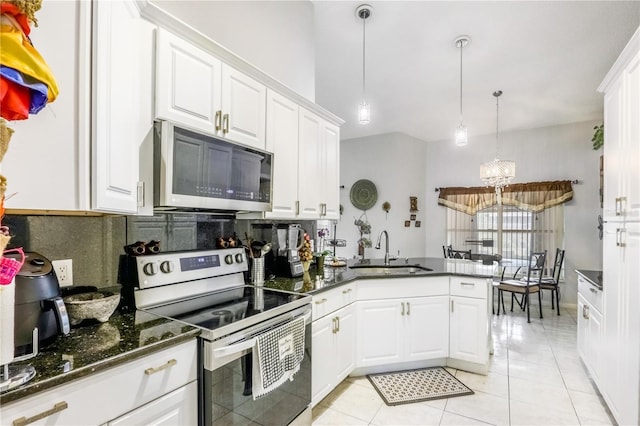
(497, 173)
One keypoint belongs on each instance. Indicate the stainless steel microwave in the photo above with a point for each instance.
(195, 171)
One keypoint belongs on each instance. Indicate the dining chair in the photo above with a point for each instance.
(458, 254)
(445, 250)
(552, 282)
(526, 285)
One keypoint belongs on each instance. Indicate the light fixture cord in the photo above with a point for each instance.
(497, 118)
(461, 47)
(364, 20)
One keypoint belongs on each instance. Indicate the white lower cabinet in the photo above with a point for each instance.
(468, 328)
(166, 379)
(402, 330)
(590, 337)
(179, 407)
(333, 351)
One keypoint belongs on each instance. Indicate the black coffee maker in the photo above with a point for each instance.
(38, 304)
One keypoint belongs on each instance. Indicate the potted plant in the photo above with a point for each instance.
(598, 137)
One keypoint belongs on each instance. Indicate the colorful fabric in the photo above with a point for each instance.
(14, 100)
(38, 90)
(18, 53)
(21, 18)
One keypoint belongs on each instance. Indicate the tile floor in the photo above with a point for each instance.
(535, 378)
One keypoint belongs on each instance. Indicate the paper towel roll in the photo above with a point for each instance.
(7, 303)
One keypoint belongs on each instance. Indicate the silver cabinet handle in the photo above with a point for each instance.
(225, 123)
(338, 322)
(471, 284)
(408, 308)
(619, 207)
(593, 290)
(346, 291)
(321, 301)
(218, 120)
(297, 207)
(402, 308)
(452, 306)
(585, 310)
(58, 406)
(153, 370)
(334, 329)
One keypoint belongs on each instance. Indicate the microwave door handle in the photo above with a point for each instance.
(234, 349)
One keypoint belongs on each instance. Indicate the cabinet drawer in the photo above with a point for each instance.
(393, 288)
(592, 294)
(329, 301)
(101, 397)
(469, 287)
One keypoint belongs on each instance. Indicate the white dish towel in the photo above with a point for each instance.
(277, 356)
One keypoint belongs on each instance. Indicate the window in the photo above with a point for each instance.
(509, 231)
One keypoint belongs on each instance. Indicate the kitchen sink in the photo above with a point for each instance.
(389, 270)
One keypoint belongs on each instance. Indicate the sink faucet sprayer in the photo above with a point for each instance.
(386, 246)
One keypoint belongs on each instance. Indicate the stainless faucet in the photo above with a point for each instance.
(386, 246)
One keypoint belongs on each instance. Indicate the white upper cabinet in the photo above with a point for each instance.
(188, 84)
(282, 140)
(87, 142)
(196, 89)
(122, 120)
(243, 108)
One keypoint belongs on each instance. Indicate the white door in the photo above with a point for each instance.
(310, 185)
(121, 104)
(468, 329)
(244, 103)
(614, 157)
(380, 332)
(631, 146)
(282, 141)
(188, 84)
(331, 171)
(346, 349)
(323, 356)
(427, 328)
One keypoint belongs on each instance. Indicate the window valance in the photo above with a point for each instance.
(533, 196)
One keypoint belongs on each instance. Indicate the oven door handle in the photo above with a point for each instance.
(242, 346)
(234, 349)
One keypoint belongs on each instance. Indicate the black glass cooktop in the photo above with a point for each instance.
(217, 309)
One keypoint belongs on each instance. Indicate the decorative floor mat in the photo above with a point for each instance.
(424, 384)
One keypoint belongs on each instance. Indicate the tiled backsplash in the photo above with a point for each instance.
(95, 243)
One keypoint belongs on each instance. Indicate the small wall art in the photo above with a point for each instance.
(407, 223)
(418, 223)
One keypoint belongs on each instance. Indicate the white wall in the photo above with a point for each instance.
(549, 153)
(275, 36)
(394, 162)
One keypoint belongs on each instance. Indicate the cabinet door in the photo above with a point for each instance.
(244, 103)
(330, 171)
(427, 328)
(309, 166)
(179, 407)
(346, 338)
(188, 82)
(48, 162)
(583, 330)
(613, 155)
(468, 329)
(594, 342)
(380, 333)
(282, 140)
(323, 355)
(632, 139)
(122, 105)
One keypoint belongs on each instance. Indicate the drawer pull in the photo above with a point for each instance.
(321, 301)
(471, 284)
(346, 291)
(402, 308)
(408, 308)
(593, 290)
(59, 406)
(218, 120)
(170, 363)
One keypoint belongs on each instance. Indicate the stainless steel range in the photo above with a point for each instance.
(206, 289)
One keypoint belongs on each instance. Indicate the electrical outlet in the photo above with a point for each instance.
(64, 271)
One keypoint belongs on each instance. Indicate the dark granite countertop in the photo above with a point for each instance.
(92, 347)
(334, 277)
(593, 276)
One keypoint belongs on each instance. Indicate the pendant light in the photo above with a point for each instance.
(461, 131)
(364, 109)
(497, 173)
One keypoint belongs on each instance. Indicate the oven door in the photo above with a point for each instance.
(226, 384)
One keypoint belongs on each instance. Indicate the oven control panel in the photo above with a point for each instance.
(173, 267)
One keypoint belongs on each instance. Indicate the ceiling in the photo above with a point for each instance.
(548, 57)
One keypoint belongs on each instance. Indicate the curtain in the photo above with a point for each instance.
(533, 197)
